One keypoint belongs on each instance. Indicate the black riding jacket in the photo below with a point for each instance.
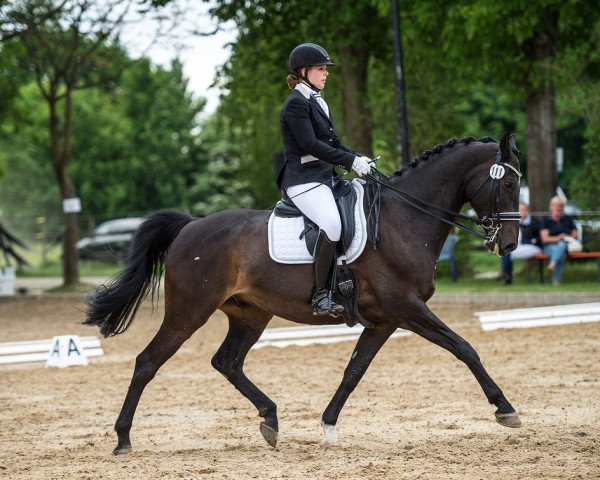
(311, 149)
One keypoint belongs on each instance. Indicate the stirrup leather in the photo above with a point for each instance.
(324, 255)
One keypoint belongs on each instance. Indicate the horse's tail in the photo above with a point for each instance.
(113, 306)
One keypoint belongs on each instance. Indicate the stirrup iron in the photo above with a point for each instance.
(323, 304)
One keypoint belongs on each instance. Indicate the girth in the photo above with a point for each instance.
(345, 199)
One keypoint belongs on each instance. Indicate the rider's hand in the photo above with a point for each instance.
(362, 166)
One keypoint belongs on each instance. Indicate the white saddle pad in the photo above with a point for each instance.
(286, 246)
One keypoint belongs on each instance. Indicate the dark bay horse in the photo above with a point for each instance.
(222, 262)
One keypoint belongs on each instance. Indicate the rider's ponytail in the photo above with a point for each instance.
(293, 79)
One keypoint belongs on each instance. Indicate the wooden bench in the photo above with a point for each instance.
(538, 261)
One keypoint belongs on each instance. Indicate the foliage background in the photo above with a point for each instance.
(138, 144)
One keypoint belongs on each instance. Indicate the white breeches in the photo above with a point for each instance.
(316, 202)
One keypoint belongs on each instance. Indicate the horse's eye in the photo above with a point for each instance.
(509, 184)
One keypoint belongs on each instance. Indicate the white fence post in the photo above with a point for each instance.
(7, 281)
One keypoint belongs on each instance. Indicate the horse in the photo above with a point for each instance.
(222, 262)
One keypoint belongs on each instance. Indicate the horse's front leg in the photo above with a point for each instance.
(368, 345)
(426, 324)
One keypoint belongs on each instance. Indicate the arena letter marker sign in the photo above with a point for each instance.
(66, 351)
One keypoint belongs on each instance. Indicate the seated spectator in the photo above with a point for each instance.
(529, 242)
(447, 255)
(553, 231)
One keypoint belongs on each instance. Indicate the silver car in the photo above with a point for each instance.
(110, 241)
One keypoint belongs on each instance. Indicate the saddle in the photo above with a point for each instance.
(345, 198)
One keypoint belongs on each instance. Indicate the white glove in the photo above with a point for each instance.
(361, 165)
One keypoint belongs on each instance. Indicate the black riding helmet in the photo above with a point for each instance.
(307, 55)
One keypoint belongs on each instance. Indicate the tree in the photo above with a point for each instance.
(217, 185)
(438, 100)
(25, 149)
(70, 45)
(579, 74)
(514, 45)
(254, 77)
(163, 115)
(134, 148)
(12, 16)
(443, 101)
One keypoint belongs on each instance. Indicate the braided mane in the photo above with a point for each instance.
(439, 148)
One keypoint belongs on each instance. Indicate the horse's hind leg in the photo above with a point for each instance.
(245, 328)
(429, 326)
(162, 347)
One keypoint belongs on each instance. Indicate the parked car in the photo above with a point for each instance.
(110, 241)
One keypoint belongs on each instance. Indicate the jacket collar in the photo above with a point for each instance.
(306, 92)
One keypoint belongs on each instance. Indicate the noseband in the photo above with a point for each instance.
(491, 222)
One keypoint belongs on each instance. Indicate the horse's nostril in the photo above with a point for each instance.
(510, 247)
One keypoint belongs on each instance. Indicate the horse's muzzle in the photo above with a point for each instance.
(507, 248)
(500, 250)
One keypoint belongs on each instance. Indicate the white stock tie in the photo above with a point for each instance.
(321, 102)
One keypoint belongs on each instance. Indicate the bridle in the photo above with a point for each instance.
(491, 223)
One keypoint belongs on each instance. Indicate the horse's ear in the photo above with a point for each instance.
(505, 146)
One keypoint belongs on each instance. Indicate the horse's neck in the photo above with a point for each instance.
(437, 181)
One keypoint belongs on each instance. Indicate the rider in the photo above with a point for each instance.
(311, 153)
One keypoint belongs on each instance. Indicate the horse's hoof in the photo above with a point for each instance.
(122, 450)
(269, 434)
(511, 420)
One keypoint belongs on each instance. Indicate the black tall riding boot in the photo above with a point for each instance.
(324, 255)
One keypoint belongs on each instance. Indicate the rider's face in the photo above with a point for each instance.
(317, 75)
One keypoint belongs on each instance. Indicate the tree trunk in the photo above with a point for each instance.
(539, 107)
(67, 189)
(541, 149)
(355, 106)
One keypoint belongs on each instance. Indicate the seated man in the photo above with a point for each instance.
(553, 231)
(529, 242)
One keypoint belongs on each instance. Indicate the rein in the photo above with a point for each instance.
(490, 223)
(414, 202)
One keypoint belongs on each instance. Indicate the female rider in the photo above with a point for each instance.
(311, 153)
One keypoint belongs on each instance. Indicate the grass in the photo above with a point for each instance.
(519, 284)
(87, 268)
(578, 276)
(47, 262)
